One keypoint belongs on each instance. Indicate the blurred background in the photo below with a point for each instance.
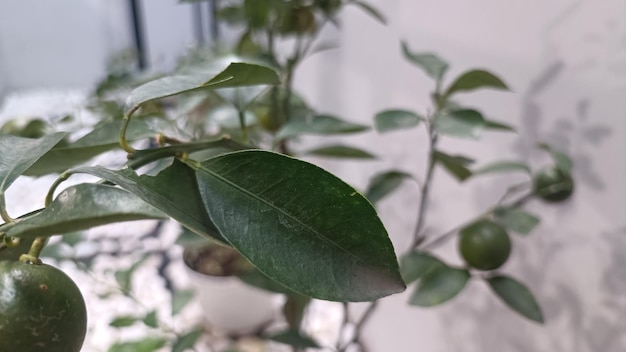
(565, 61)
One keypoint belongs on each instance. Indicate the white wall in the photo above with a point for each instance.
(566, 62)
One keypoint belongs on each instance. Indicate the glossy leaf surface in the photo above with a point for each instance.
(438, 286)
(237, 74)
(319, 125)
(19, 154)
(300, 225)
(432, 64)
(341, 151)
(475, 79)
(384, 183)
(517, 296)
(82, 207)
(516, 219)
(390, 120)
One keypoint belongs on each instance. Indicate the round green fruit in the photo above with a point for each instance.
(484, 245)
(553, 185)
(41, 309)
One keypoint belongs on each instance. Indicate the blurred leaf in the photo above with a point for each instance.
(516, 219)
(562, 161)
(319, 125)
(72, 239)
(151, 319)
(294, 338)
(384, 183)
(124, 277)
(247, 47)
(370, 10)
(456, 165)
(190, 238)
(237, 74)
(434, 66)
(415, 265)
(19, 154)
(82, 207)
(102, 138)
(460, 123)
(340, 151)
(294, 309)
(180, 299)
(55, 251)
(517, 296)
(124, 321)
(502, 166)
(299, 224)
(475, 79)
(233, 15)
(495, 125)
(187, 341)
(148, 344)
(438, 286)
(390, 120)
(174, 191)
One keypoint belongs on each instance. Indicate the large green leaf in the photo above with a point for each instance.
(341, 151)
(370, 10)
(319, 125)
(300, 225)
(174, 191)
(516, 219)
(432, 64)
(456, 165)
(82, 207)
(465, 123)
(503, 166)
(475, 79)
(103, 138)
(390, 120)
(237, 74)
(517, 296)
(18, 154)
(438, 286)
(415, 265)
(384, 183)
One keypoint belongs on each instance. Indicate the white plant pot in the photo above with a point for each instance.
(231, 305)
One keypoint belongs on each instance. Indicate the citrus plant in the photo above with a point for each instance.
(209, 146)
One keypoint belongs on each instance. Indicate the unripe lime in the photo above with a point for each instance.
(41, 309)
(553, 185)
(484, 245)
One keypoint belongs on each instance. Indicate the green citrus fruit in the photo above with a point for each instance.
(41, 309)
(484, 245)
(553, 185)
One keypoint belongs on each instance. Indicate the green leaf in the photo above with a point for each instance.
(187, 341)
(340, 151)
(180, 299)
(300, 225)
(257, 279)
(384, 183)
(82, 207)
(174, 191)
(455, 165)
(124, 277)
(370, 11)
(415, 265)
(438, 286)
(294, 309)
(318, 125)
(103, 138)
(390, 120)
(495, 125)
(562, 161)
(124, 321)
(502, 166)
(516, 219)
(237, 74)
(19, 154)
(151, 319)
(475, 79)
(294, 338)
(432, 64)
(149, 344)
(517, 296)
(460, 123)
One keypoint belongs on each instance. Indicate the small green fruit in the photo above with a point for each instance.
(553, 185)
(484, 245)
(41, 309)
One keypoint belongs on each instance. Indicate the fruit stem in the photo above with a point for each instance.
(122, 139)
(34, 252)
(3, 209)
